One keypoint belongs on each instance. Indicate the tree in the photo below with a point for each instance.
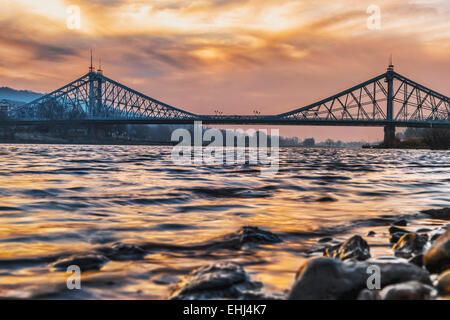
(329, 143)
(309, 143)
(437, 138)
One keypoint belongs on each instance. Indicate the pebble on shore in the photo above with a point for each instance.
(437, 258)
(215, 281)
(412, 290)
(354, 248)
(410, 244)
(331, 278)
(443, 283)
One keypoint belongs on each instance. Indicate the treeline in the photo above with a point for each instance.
(433, 138)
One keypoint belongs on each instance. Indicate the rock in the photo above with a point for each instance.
(409, 244)
(437, 258)
(247, 235)
(437, 232)
(326, 199)
(441, 214)
(123, 252)
(401, 223)
(435, 236)
(215, 281)
(412, 290)
(443, 283)
(333, 279)
(417, 260)
(394, 229)
(326, 239)
(423, 230)
(322, 246)
(354, 248)
(259, 295)
(398, 270)
(367, 294)
(396, 234)
(391, 259)
(394, 237)
(85, 263)
(326, 279)
(255, 234)
(371, 233)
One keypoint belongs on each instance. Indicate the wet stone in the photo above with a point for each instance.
(437, 232)
(390, 259)
(443, 283)
(412, 290)
(85, 263)
(354, 248)
(248, 235)
(255, 234)
(259, 295)
(394, 229)
(437, 258)
(417, 260)
(326, 239)
(333, 279)
(401, 223)
(423, 230)
(322, 246)
(367, 294)
(395, 237)
(371, 233)
(123, 252)
(410, 244)
(326, 199)
(396, 233)
(441, 214)
(215, 281)
(435, 236)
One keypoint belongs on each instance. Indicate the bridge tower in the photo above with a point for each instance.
(95, 103)
(92, 77)
(99, 99)
(389, 130)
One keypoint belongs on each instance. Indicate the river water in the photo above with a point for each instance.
(63, 200)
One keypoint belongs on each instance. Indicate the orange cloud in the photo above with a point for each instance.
(273, 55)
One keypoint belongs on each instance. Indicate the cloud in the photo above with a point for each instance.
(240, 54)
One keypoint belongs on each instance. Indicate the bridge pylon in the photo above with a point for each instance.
(389, 130)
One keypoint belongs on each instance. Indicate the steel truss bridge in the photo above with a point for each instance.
(389, 100)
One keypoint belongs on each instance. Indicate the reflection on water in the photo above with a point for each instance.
(56, 201)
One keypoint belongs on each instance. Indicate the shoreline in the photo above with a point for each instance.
(415, 270)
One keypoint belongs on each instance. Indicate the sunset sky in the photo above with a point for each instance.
(232, 55)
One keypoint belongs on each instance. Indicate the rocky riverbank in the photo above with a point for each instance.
(418, 269)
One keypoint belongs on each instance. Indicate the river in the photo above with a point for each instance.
(61, 200)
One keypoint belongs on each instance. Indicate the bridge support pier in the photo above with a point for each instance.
(389, 135)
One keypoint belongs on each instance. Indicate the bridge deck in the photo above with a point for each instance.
(235, 121)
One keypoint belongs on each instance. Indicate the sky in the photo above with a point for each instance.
(236, 56)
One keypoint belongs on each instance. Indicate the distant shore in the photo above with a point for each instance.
(412, 143)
